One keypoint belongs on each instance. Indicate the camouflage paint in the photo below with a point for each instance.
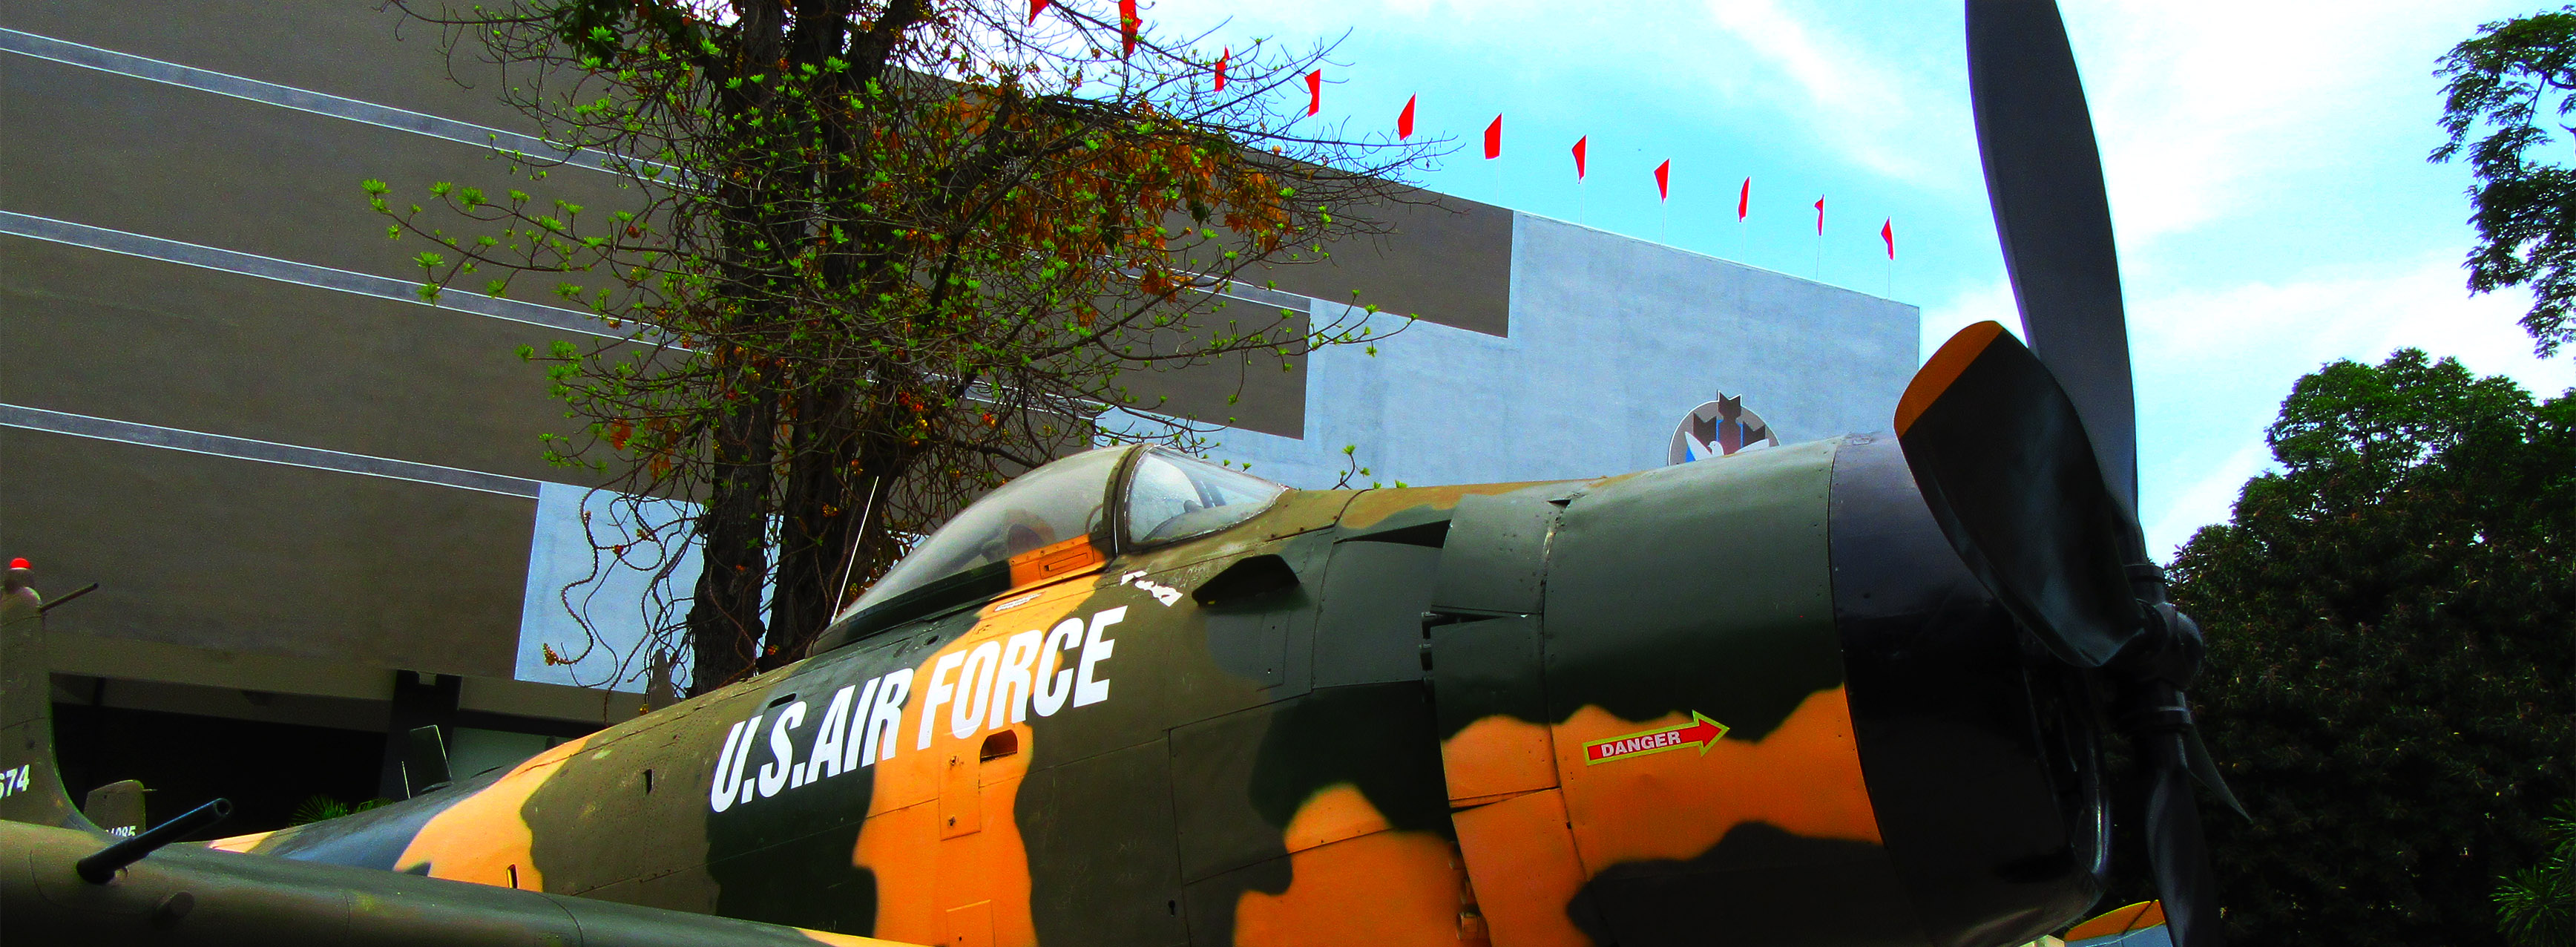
(1702, 589)
(1356, 879)
(31, 790)
(481, 838)
(1266, 766)
(191, 895)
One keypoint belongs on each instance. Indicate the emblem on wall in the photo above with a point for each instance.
(1719, 428)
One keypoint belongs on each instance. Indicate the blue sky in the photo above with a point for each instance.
(2265, 160)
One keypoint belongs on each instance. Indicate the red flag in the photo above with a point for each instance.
(1404, 120)
(1314, 92)
(1743, 200)
(1664, 181)
(1127, 24)
(1494, 139)
(1820, 216)
(1036, 7)
(1578, 156)
(1220, 67)
(1887, 232)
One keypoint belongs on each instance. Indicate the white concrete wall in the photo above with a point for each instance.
(566, 565)
(1612, 341)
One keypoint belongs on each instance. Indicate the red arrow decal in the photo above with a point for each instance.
(1700, 732)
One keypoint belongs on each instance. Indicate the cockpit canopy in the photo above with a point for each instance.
(1054, 519)
(1040, 508)
(1171, 497)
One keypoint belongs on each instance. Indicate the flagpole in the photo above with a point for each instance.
(1579, 189)
(1887, 232)
(1493, 154)
(1743, 233)
(1663, 202)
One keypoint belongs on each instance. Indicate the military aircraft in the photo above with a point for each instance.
(1846, 692)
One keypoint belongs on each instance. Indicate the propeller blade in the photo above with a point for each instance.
(2174, 845)
(2003, 461)
(2044, 177)
(2205, 769)
(1997, 435)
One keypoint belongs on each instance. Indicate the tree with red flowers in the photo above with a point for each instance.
(884, 254)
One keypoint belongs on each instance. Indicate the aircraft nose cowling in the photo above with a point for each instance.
(1749, 695)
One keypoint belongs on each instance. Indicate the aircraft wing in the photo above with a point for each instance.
(189, 896)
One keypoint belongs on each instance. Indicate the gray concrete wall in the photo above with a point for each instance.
(365, 485)
(320, 513)
(226, 554)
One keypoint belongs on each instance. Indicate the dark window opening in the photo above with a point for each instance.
(1001, 744)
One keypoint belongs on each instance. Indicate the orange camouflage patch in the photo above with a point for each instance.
(2119, 920)
(1497, 757)
(952, 805)
(241, 843)
(1804, 778)
(1337, 813)
(482, 838)
(1375, 887)
(1521, 858)
(896, 844)
(848, 940)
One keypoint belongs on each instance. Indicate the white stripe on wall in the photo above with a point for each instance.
(302, 100)
(243, 448)
(289, 271)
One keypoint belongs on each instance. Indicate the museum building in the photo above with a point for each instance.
(317, 509)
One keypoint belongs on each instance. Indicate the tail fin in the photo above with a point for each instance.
(117, 808)
(31, 790)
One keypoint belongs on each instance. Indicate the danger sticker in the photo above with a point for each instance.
(1701, 732)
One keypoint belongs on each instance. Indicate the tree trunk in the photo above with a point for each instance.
(815, 571)
(725, 630)
(724, 625)
(820, 509)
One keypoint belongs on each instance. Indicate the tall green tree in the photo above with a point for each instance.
(883, 253)
(2391, 677)
(2538, 904)
(2507, 109)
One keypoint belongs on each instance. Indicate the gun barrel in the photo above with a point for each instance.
(97, 869)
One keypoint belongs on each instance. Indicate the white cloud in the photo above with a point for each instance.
(2214, 364)
(1897, 116)
(1978, 303)
(2209, 499)
(2207, 109)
